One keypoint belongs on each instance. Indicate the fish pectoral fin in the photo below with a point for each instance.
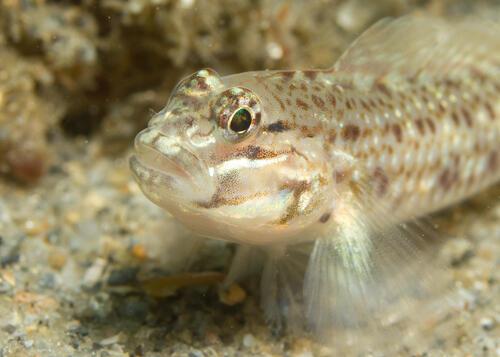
(372, 287)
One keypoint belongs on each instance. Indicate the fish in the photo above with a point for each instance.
(326, 175)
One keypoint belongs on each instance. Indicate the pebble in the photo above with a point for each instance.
(12, 257)
(458, 251)
(5, 287)
(47, 281)
(36, 227)
(94, 273)
(248, 340)
(139, 252)
(124, 276)
(111, 340)
(8, 276)
(232, 295)
(487, 323)
(196, 353)
(57, 258)
(28, 343)
(135, 308)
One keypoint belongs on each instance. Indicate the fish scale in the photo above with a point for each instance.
(326, 174)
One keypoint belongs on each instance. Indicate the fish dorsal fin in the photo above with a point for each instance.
(423, 47)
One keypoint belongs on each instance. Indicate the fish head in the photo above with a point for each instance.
(211, 159)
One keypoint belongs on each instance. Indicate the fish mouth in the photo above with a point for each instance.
(166, 160)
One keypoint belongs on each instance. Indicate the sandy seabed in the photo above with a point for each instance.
(77, 235)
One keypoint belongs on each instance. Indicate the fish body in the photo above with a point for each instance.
(407, 122)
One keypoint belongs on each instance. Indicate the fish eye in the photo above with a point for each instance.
(241, 121)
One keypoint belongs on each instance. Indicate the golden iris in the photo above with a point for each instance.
(241, 121)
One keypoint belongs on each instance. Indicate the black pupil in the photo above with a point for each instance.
(241, 121)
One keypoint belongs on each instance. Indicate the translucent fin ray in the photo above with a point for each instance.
(413, 46)
(373, 284)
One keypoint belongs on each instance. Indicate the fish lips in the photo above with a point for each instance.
(169, 167)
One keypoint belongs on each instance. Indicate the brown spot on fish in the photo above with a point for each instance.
(349, 104)
(420, 126)
(301, 104)
(493, 161)
(339, 176)
(366, 106)
(467, 117)
(318, 101)
(287, 75)
(310, 74)
(278, 127)
(254, 152)
(396, 129)
(303, 87)
(455, 118)
(325, 217)
(332, 136)
(380, 181)
(310, 131)
(351, 132)
(447, 178)
(384, 89)
(489, 110)
(332, 100)
(280, 102)
(441, 108)
(431, 125)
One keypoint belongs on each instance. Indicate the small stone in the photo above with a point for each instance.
(72, 217)
(11, 258)
(47, 281)
(99, 306)
(35, 227)
(5, 288)
(301, 347)
(196, 353)
(211, 338)
(233, 295)
(57, 259)
(248, 340)
(134, 308)
(487, 323)
(139, 252)
(9, 328)
(28, 343)
(8, 277)
(123, 276)
(111, 340)
(94, 273)
(458, 251)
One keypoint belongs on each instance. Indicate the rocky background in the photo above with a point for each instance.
(78, 79)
